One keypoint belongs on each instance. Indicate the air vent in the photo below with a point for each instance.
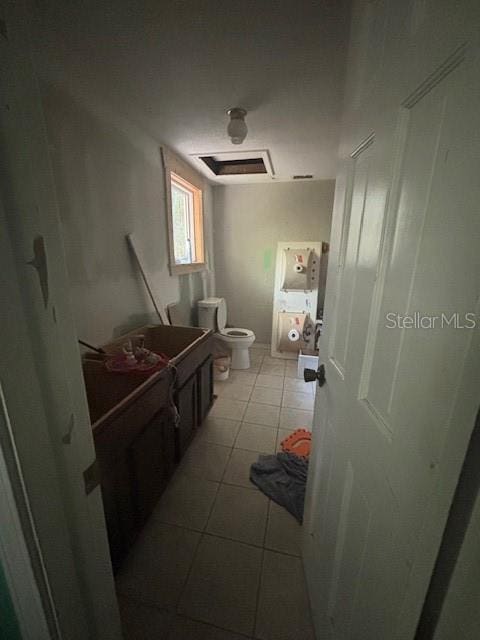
(307, 176)
(241, 166)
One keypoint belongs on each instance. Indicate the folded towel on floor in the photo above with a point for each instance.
(283, 478)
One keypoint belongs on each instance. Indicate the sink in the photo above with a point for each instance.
(108, 393)
(106, 390)
(175, 342)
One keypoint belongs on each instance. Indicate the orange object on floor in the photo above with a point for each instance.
(298, 443)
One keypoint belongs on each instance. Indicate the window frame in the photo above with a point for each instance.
(198, 226)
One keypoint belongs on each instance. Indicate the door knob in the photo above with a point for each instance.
(310, 375)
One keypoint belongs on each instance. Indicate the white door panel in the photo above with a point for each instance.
(407, 242)
(349, 255)
(352, 536)
(321, 516)
(417, 165)
(373, 615)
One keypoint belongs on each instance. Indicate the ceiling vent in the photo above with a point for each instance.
(307, 176)
(235, 163)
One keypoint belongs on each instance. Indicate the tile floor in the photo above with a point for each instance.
(217, 559)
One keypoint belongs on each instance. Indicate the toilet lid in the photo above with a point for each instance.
(221, 314)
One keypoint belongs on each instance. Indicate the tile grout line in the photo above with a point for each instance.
(223, 537)
(262, 563)
(213, 626)
(194, 556)
(259, 547)
(257, 600)
(267, 521)
(138, 600)
(211, 508)
(188, 574)
(226, 466)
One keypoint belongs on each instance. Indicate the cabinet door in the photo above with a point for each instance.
(187, 408)
(151, 459)
(205, 388)
(119, 507)
(169, 444)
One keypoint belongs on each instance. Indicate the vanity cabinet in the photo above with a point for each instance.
(136, 439)
(135, 446)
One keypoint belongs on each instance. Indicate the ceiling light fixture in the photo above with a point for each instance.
(237, 128)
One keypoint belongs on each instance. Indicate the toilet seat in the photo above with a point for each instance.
(236, 333)
(238, 342)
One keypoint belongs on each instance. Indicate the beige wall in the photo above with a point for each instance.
(110, 182)
(249, 220)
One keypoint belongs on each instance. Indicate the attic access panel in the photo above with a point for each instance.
(234, 167)
(231, 164)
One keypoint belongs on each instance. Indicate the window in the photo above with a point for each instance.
(186, 226)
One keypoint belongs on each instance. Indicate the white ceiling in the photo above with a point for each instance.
(175, 67)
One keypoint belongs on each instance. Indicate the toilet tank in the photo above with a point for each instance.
(207, 312)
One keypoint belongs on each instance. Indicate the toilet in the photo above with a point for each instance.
(212, 314)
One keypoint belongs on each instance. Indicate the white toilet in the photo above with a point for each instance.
(212, 314)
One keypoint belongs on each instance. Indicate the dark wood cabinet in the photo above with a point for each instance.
(194, 399)
(135, 448)
(136, 438)
(118, 505)
(151, 458)
(187, 404)
(205, 388)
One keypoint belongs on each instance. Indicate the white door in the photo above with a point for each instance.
(393, 420)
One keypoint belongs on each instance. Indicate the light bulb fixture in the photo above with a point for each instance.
(237, 128)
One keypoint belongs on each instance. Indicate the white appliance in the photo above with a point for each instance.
(212, 314)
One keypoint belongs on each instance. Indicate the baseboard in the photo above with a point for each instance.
(260, 345)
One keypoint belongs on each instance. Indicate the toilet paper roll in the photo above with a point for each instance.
(289, 331)
(293, 335)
